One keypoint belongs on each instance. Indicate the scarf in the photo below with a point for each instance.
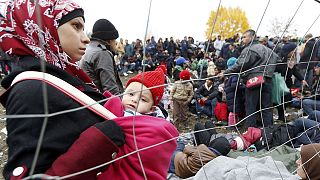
(23, 34)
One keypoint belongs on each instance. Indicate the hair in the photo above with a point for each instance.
(251, 32)
(109, 45)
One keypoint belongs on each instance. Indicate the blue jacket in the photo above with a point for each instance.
(128, 49)
(230, 88)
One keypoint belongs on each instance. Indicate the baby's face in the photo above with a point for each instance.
(132, 98)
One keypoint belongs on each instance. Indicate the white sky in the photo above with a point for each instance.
(179, 18)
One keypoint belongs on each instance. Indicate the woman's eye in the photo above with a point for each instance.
(144, 100)
(131, 94)
(78, 26)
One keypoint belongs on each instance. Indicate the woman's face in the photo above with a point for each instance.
(300, 170)
(73, 40)
(113, 45)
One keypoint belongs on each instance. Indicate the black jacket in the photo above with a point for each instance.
(255, 60)
(202, 91)
(230, 87)
(26, 97)
(309, 55)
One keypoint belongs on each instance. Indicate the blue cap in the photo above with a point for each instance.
(181, 60)
(231, 62)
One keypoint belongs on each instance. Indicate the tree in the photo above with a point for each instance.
(280, 25)
(230, 21)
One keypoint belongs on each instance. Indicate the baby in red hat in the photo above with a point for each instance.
(142, 95)
(143, 127)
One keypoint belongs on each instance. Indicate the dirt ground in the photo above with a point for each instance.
(3, 133)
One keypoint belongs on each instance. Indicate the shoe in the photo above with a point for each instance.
(125, 74)
(130, 72)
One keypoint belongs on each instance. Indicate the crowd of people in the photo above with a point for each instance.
(226, 79)
(227, 66)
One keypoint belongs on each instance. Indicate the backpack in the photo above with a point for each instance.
(276, 135)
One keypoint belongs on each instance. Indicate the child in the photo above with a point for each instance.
(230, 88)
(181, 94)
(139, 118)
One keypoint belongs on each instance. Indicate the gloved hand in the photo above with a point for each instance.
(113, 131)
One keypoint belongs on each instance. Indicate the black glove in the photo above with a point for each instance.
(113, 131)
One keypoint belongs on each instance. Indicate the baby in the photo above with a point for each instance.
(141, 97)
(143, 124)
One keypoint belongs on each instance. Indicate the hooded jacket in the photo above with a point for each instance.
(311, 160)
(188, 162)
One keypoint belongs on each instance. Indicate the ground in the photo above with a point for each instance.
(3, 145)
(4, 149)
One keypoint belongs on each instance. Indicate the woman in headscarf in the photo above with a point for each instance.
(51, 31)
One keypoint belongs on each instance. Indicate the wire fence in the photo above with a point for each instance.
(47, 115)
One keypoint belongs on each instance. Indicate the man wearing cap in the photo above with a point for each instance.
(98, 61)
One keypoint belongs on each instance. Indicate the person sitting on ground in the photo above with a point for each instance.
(148, 63)
(144, 124)
(206, 98)
(188, 160)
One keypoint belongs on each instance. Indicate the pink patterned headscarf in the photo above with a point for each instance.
(21, 34)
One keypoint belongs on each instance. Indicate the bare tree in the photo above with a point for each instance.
(280, 25)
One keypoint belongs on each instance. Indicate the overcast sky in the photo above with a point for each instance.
(179, 18)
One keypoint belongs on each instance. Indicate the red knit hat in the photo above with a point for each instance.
(151, 79)
(184, 75)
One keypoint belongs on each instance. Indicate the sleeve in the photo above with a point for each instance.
(214, 94)
(104, 68)
(198, 92)
(173, 90)
(92, 148)
(233, 84)
(242, 61)
(296, 72)
(191, 93)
